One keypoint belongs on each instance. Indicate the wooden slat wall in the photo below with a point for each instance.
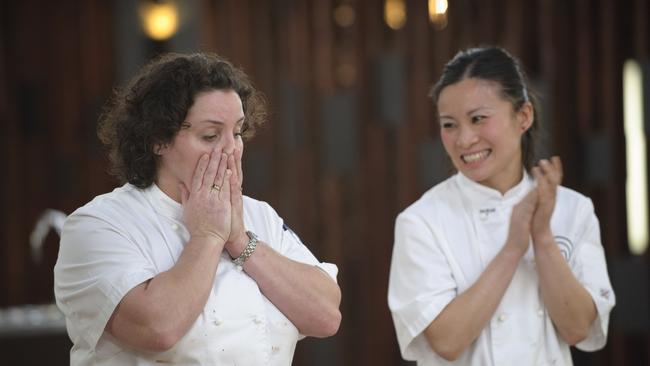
(56, 73)
(324, 87)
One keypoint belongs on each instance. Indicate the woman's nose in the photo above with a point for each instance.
(229, 144)
(467, 137)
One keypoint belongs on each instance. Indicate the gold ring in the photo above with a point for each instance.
(216, 187)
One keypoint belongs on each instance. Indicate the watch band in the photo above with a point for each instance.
(248, 250)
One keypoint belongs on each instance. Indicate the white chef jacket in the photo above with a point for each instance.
(125, 237)
(446, 239)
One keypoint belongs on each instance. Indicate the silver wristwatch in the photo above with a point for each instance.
(248, 251)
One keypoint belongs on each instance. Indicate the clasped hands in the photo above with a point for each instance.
(213, 204)
(531, 217)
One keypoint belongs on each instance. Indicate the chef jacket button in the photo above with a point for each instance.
(257, 320)
(217, 321)
(540, 313)
(175, 227)
(275, 348)
(502, 318)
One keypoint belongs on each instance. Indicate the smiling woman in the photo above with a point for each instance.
(481, 272)
(177, 265)
(481, 132)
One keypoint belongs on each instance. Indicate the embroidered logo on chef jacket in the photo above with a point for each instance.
(604, 293)
(287, 228)
(565, 245)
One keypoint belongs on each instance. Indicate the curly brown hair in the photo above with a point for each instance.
(151, 108)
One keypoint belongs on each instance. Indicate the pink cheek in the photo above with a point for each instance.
(447, 142)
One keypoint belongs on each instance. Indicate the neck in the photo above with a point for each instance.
(511, 184)
(503, 183)
(170, 188)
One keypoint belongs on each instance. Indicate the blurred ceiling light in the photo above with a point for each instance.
(395, 13)
(438, 13)
(344, 15)
(636, 185)
(159, 19)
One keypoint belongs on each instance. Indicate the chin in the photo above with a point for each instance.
(475, 175)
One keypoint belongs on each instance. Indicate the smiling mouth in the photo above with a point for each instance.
(474, 157)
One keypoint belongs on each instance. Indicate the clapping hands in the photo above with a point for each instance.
(548, 175)
(531, 217)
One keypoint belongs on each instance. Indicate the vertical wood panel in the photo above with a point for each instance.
(9, 166)
(584, 60)
(55, 83)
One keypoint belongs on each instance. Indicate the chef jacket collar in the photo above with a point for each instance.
(163, 204)
(480, 196)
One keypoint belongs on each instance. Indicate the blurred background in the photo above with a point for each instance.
(351, 139)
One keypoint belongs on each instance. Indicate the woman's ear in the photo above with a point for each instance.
(526, 116)
(158, 149)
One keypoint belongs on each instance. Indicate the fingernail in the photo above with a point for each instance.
(228, 171)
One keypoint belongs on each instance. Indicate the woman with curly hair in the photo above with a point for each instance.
(177, 265)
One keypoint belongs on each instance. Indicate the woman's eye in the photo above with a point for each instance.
(238, 134)
(210, 137)
(447, 125)
(477, 119)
